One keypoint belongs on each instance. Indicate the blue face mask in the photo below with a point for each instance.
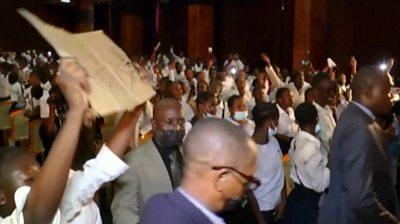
(271, 132)
(317, 128)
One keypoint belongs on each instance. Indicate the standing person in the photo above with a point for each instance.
(271, 195)
(239, 114)
(307, 169)
(155, 166)
(217, 172)
(361, 190)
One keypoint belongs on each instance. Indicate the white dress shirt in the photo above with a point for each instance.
(187, 109)
(327, 124)
(248, 127)
(270, 172)
(222, 110)
(77, 205)
(341, 107)
(310, 160)
(298, 95)
(210, 215)
(17, 94)
(287, 122)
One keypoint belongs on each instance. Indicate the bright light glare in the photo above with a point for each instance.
(383, 66)
(66, 1)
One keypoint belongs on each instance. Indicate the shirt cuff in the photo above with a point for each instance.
(115, 166)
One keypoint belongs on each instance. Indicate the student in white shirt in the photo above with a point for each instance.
(287, 127)
(298, 86)
(77, 205)
(215, 88)
(16, 92)
(308, 169)
(238, 114)
(25, 193)
(175, 91)
(4, 86)
(325, 90)
(270, 195)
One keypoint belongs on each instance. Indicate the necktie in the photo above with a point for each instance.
(176, 169)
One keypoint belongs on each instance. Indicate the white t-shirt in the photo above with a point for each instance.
(270, 172)
(17, 94)
(4, 87)
(248, 127)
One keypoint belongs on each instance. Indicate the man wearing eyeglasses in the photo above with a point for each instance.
(220, 159)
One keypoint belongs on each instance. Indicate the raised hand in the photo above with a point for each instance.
(266, 59)
(74, 83)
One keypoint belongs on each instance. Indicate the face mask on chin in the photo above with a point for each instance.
(240, 115)
(235, 204)
(170, 138)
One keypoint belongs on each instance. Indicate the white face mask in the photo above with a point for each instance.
(240, 115)
(208, 115)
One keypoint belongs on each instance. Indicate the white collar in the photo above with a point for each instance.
(210, 215)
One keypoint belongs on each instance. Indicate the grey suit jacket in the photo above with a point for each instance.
(147, 176)
(361, 190)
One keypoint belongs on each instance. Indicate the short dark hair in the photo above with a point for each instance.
(306, 113)
(232, 99)
(13, 77)
(308, 91)
(263, 111)
(42, 72)
(36, 91)
(281, 91)
(319, 78)
(204, 97)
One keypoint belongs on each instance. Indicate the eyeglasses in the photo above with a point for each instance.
(252, 182)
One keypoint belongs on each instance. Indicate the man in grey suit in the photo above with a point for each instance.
(155, 167)
(361, 190)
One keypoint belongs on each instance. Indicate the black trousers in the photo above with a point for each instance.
(301, 206)
(47, 140)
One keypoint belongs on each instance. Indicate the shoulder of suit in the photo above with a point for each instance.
(142, 150)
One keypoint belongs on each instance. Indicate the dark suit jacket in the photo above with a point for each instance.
(172, 208)
(361, 190)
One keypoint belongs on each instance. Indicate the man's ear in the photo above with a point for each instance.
(3, 200)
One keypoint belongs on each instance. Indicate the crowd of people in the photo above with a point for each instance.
(220, 133)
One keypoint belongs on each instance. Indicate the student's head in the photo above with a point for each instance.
(215, 87)
(17, 168)
(168, 123)
(341, 79)
(277, 69)
(22, 62)
(189, 74)
(371, 88)
(258, 94)
(265, 116)
(201, 77)
(284, 98)
(163, 85)
(324, 88)
(178, 67)
(202, 86)
(220, 168)
(221, 76)
(213, 73)
(37, 91)
(298, 79)
(175, 90)
(13, 78)
(307, 117)
(309, 95)
(241, 84)
(206, 104)
(237, 108)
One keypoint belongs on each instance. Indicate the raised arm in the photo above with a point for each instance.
(276, 81)
(43, 201)
(353, 65)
